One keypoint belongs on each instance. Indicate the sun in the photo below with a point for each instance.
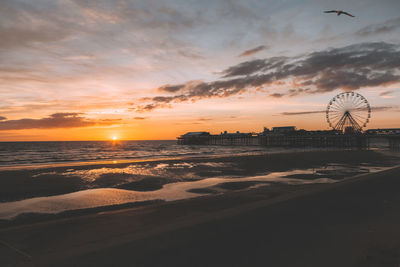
(114, 138)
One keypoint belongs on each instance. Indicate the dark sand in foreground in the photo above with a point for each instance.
(350, 223)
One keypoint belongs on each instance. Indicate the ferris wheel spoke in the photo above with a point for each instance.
(356, 104)
(360, 113)
(340, 105)
(360, 109)
(337, 104)
(355, 124)
(359, 104)
(334, 106)
(344, 98)
(336, 118)
(358, 119)
(348, 97)
(336, 112)
(362, 119)
(354, 99)
(336, 115)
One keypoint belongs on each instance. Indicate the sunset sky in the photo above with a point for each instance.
(92, 70)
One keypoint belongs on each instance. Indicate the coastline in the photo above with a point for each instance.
(118, 162)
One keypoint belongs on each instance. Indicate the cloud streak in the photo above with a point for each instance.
(295, 113)
(56, 120)
(386, 93)
(388, 26)
(253, 51)
(302, 113)
(348, 68)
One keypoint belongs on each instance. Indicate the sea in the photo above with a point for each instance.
(37, 153)
(13, 154)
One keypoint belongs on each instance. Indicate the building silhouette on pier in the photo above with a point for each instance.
(289, 136)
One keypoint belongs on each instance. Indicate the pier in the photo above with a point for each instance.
(290, 137)
(278, 137)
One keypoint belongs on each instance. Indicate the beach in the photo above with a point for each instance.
(234, 224)
(29, 193)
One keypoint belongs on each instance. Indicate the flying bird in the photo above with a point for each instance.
(339, 12)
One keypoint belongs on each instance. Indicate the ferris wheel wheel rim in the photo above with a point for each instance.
(342, 102)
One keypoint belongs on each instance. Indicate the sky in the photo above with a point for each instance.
(137, 70)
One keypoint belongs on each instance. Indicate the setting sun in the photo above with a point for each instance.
(114, 138)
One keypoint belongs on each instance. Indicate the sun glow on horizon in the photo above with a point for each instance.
(115, 138)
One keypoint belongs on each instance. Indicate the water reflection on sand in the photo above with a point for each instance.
(161, 169)
(109, 196)
(179, 189)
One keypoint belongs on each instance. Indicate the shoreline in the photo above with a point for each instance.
(122, 162)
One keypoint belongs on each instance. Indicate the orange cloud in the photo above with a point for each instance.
(56, 120)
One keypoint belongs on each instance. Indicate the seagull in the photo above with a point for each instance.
(339, 12)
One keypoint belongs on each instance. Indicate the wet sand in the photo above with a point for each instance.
(350, 223)
(38, 192)
(18, 184)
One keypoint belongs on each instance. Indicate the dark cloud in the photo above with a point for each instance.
(348, 68)
(352, 67)
(386, 93)
(331, 80)
(140, 118)
(171, 88)
(298, 91)
(276, 95)
(2, 118)
(149, 107)
(388, 26)
(253, 66)
(253, 51)
(57, 120)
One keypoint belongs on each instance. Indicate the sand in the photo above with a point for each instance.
(17, 184)
(350, 223)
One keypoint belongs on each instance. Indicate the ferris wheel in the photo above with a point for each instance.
(348, 110)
